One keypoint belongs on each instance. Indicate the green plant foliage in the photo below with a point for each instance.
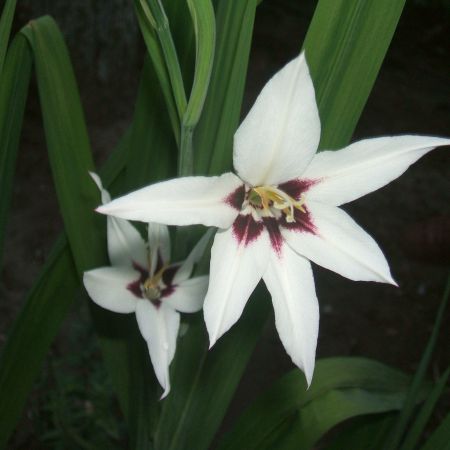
(364, 433)
(289, 416)
(440, 439)
(345, 46)
(14, 83)
(399, 429)
(5, 29)
(220, 118)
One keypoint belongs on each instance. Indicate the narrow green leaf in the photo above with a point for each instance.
(27, 345)
(407, 411)
(440, 439)
(160, 22)
(67, 143)
(222, 107)
(6, 20)
(341, 388)
(153, 151)
(145, 20)
(13, 93)
(417, 428)
(345, 46)
(202, 14)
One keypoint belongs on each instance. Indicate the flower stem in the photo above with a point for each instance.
(186, 159)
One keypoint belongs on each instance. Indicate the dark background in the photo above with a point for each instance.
(409, 218)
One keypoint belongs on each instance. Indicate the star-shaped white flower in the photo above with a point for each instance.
(281, 210)
(142, 280)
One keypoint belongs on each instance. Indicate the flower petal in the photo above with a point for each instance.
(236, 268)
(158, 244)
(106, 198)
(185, 269)
(188, 296)
(290, 282)
(182, 201)
(125, 244)
(159, 327)
(281, 133)
(107, 286)
(365, 166)
(340, 244)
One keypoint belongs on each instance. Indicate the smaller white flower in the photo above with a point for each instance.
(141, 280)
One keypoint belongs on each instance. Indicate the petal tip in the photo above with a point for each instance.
(165, 393)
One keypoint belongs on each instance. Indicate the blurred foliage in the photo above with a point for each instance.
(73, 406)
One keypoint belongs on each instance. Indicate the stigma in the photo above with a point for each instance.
(269, 200)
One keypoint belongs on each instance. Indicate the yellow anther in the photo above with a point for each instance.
(271, 197)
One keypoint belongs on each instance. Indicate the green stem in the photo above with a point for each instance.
(186, 159)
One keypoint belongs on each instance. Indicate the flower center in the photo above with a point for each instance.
(151, 287)
(269, 198)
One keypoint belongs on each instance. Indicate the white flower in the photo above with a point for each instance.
(281, 210)
(141, 280)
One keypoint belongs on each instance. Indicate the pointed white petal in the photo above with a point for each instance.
(234, 273)
(365, 166)
(281, 133)
(107, 286)
(290, 282)
(185, 270)
(340, 245)
(188, 296)
(158, 244)
(182, 201)
(125, 244)
(159, 327)
(106, 198)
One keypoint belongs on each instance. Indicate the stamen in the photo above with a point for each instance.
(267, 197)
(152, 285)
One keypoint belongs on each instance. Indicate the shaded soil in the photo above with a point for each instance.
(411, 95)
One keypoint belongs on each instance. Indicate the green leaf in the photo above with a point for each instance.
(345, 46)
(417, 428)
(440, 439)
(364, 433)
(6, 20)
(398, 431)
(154, 50)
(35, 328)
(67, 143)
(153, 151)
(203, 18)
(222, 108)
(158, 19)
(13, 93)
(202, 14)
(341, 388)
